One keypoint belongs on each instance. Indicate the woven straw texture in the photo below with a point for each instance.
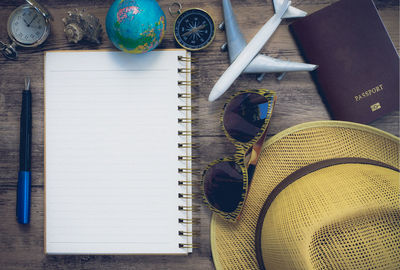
(233, 243)
(339, 217)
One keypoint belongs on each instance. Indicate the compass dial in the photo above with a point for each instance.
(194, 29)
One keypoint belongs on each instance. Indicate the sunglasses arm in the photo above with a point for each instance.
(254, 152)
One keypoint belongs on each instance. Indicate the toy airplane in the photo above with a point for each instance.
(245, 58)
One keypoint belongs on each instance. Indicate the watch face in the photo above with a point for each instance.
(194, 29)
(27, 26)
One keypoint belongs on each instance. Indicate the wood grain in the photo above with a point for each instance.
(21, 247)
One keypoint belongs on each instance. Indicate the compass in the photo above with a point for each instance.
(194, 29)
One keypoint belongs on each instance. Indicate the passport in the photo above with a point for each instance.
(358, 73)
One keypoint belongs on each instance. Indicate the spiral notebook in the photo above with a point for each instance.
(118, 152)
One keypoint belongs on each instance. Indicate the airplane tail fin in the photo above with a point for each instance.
(291, 12)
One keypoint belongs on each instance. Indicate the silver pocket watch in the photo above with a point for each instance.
(28, 26)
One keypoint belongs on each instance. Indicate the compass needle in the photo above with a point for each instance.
(194, 29)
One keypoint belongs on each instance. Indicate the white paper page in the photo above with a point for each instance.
(111, 135)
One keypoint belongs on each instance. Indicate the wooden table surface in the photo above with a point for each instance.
(21, 247)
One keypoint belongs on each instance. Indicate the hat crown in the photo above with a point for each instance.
(356, 241)
(343, 216)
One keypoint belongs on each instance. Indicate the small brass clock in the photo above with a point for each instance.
(28, 26)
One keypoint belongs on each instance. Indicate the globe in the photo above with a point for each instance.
(135, 26)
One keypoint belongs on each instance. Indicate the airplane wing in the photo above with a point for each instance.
(291, 12)
(261, 63)
(265, 64)
(235, 39)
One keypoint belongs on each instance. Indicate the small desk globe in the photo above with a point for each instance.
(135, 26)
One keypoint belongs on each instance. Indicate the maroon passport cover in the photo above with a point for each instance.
(358, 73)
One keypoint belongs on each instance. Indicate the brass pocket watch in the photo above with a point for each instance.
(28, 26)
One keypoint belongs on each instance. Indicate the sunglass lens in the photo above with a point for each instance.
(223, 185)
(245, 115)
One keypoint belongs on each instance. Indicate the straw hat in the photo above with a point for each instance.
(325, 195)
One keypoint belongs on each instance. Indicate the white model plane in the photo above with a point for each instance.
(244, 57)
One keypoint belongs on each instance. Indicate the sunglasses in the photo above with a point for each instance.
(245, 118)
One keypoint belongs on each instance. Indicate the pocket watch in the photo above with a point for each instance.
(28, 26)
(194, 29)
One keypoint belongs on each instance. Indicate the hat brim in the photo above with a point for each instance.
(233, 244)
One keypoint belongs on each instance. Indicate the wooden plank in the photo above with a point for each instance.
(21, 247)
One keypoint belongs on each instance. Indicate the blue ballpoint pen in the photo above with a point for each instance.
(24, 175)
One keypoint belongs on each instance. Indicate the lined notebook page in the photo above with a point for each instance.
(111, 153)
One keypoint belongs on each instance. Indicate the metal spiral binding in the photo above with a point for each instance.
(186, 183)
(187, 59)
(186, 108)
(193, 208)
(186, 120)
(189, 220)
(186, 83)
(187, 145)
(190, 183)
(186, 133)
(187, 158)
(193, 233)
(189, 171)
(186, 70)
(185, 95)
(182, 245)
(190, 196)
